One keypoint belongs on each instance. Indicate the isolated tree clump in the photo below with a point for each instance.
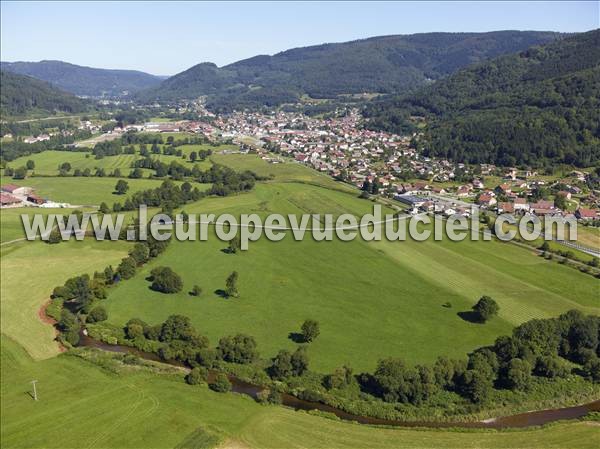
(55, 236)
(310, 330)
(165, 280)
(486, 308)
(122, 187)
(231, 287)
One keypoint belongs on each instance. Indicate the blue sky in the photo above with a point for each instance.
(167, 37)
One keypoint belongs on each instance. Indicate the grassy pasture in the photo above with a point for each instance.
(47, 162)
(87, 191)
(31, 270)
(372, 299)
(138, 409)
(283, 172)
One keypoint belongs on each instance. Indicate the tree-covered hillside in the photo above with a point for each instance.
(22, 95)
(540, 106)
(384, 64)
(86, 81)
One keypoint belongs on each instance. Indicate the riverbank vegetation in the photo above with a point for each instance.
(160, 410)
(542, 360)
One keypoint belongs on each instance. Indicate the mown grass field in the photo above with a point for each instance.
(47, 162)
(87, 191)
(82, 406)
(372, 300)
(30, 271)
(287, 171)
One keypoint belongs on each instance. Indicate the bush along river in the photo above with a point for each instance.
(527, 419)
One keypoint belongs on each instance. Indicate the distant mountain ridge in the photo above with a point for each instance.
(384, 64)
(22, 95)
(536, 107)
(84, 81)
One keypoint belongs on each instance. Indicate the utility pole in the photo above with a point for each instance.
(34, 390)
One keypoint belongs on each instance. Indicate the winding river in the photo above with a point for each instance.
(533, 418)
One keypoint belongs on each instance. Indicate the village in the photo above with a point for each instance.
(389, 165)
(376, 162)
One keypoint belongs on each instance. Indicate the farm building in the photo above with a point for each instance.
(586, 214)
(6, 199)
(33, 198)
(16, 190)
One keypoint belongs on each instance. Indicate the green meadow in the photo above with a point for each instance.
(372, 299)
(287, 171)
(30, 271)
(83, 406)
(87, 191)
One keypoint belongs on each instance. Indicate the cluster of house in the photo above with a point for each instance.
(12, 195)
(519, 203)
(44, 137)
(342, 148)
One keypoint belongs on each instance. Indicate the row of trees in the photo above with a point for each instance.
(541, 348)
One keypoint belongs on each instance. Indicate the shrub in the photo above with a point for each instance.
(131, 359)
(486, 308)
(196, 291)
(221, 383)
(269, 396)
(54, 309)
(238, 348)
(197, 375)
(310, 330)
(97, 314)
(165, 280)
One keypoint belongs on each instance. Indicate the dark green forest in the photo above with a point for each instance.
(537, 107)
(23, 95)
(85, 81)
(384, 64)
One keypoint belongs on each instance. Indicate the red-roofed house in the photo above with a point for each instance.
(586, 214)
(521, 204)
(486, 199)
(15, 190)
(506, 208)
(6, 199)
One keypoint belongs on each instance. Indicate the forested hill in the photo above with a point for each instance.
(386, 64)
(22, 95)
(86, 81)
(537, 107)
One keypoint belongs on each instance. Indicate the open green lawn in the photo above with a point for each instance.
(47, 162)
(287, 171)
(31, 270)
(87, 191)
(82, 406)
(372, 299)
(11, 225)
